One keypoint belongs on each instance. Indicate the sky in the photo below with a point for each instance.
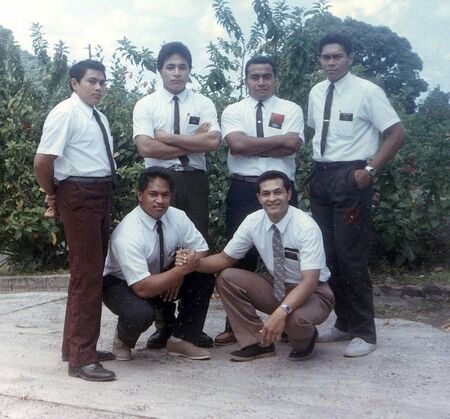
(149, 23)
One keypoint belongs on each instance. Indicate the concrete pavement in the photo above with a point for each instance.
(406, 377)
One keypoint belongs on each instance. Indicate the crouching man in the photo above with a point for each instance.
(295, 293)
(139, 273)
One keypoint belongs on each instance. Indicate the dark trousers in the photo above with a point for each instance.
(85, 212)
(137, 314)
(343, 213)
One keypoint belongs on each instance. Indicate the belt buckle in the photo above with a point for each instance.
(178, 168)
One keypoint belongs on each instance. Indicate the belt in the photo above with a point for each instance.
(322, 165)
(181, 168)
(250, 179)
(85, 179)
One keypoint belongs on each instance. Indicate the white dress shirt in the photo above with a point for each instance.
(360, 111)
(156, 111)
(133, 252)
(72, 133)
(301, 238)
(279, 117)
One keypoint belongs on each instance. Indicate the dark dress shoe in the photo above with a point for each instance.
(304, 354)
(225, 338)
(253, 352)
(204, 341)
(101, 355)
(92, 372)
(159, 339)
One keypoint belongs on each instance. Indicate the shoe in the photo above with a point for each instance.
(253, 352)
(284, 338)
(92, 372)
(204, 341)
(186, 349)
(121, 350)
(101, 355)
(332, 335)
(225, 338)
(359, 347)
(304, 354)
(158, 340)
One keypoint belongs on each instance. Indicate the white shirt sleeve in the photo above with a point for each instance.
(241, 242)
(231, 120)
(209, 114)
(312, 254)
(192, 238)
(378, 110)
(310, 120)
(143, 123)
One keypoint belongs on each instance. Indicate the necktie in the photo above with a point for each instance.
(108, 148)
(259, 120)
(279, 290)
(176, 127)
(159, 230)
(326, 118)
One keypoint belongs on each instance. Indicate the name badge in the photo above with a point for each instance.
(276, 120)
(291, 253)
(194, 120)
(345, 117)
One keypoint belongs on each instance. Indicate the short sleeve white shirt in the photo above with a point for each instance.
(72, 133)
(360, 111)
(301, 238)
(133, 252)
(279, 117)
(156, 111)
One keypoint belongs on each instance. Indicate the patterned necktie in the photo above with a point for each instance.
(176, 127)
(259, 120)
(159, 230)
(279, 290)
(326, 118)
(108, 148)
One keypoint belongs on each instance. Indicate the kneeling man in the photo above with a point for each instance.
(295, 294)
(140, 275)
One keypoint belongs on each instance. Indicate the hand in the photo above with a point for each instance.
(181, 257)
(187, 259)
(205, 127)
(362, 178)
(52, 210)
(273, 327)
(161, 135)
(292, 141)
(172, 293)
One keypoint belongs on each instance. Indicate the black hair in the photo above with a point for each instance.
(260, 59)
(273, 174)
(171, 48)
(151, 173)
(336, 38)
(78, 70)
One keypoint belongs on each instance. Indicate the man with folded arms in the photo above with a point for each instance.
(139, 274)
(295, 294)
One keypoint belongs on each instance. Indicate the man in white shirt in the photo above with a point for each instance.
(295, 294)
(348, 114)
(139, 274)
(74, 166)
(174, 128)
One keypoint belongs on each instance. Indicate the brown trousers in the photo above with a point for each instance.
(244, 292)
(85, 212)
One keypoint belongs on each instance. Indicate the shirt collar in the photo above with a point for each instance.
(149, 221)
(88, 110)
(282, 224)
(169, 96)
(341, 84)
(266, 103)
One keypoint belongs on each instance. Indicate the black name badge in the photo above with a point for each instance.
(194, 120)
(290, 253)
(346, 117)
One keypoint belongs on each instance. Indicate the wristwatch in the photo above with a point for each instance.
(372, 171)
(287, 308)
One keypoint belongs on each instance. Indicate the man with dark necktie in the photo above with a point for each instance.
(75, 167)
(139, 273)
(174, 128)
(263, 132)
(348, 115)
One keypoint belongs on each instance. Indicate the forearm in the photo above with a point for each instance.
(242, 144)
(394, 138)
(44, 172)
(215, 263)
(195, 143)
(278, 152)
(148, 147)
(156, 284)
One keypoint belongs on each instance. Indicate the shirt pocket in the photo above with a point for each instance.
(344, 124)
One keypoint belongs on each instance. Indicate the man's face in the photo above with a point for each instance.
(274, 198)
(175, 74)
(335, 62)
(91, 87)
(155, 199)
(260, 81)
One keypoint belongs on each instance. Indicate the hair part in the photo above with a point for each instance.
(270, 175)
(260, 59)
(79, 69)
(336, 38)
(153, 172)
(171, 48)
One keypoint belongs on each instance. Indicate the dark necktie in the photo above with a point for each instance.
(279, 290)
(108, 148)
(159, 230)
(259, 120)
(176, 127)
(326, 118)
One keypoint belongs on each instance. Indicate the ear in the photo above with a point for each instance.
(289, 193)
(74, 83)
(139, 196)
(350, 58)
(259, 199)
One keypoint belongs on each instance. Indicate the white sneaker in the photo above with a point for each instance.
(359, 347)
(121, 350)
(332, 335)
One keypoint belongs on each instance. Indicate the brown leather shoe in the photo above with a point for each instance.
(225, 338)
(101, 355)
(92, 372)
